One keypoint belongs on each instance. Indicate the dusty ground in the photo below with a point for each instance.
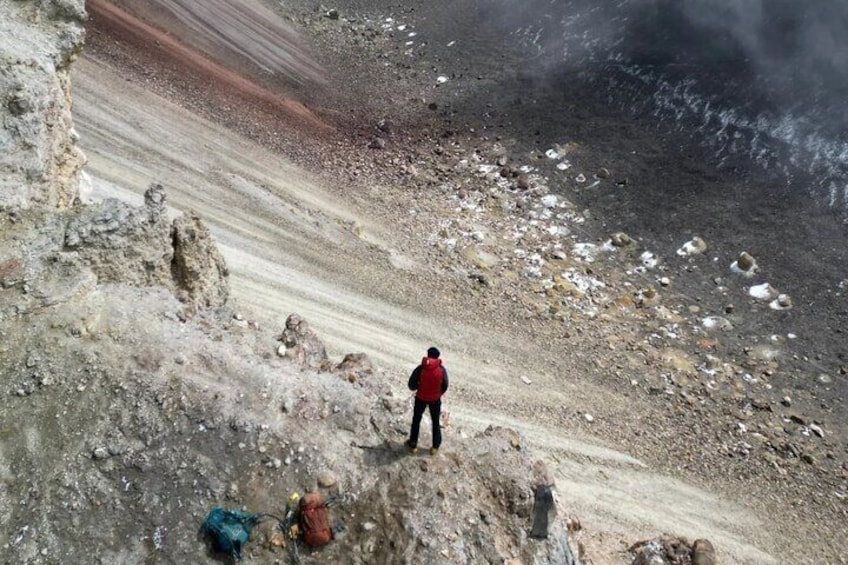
(334, 237)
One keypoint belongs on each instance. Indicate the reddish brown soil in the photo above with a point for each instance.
(217, 90)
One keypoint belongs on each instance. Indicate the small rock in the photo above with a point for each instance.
(100, 453)
(665, 281)
(621, 239)
(745, 261)
(782, 302)
(369, 526)
(695, 246)
(573, 524)
(525, 380)
(703, 552)
(154, 197)
(19, 104)
(589, 418)
(523, 182)
(603, 173)
(332, 14)
(786, 401)
(377, 143)
(816, 430)
(274, 463)
(326, 480)
(358, 365)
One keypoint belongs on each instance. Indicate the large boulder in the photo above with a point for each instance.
(40, 163)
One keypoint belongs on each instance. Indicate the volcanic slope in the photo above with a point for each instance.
(295, 241)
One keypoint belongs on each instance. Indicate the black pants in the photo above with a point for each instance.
(417, 412)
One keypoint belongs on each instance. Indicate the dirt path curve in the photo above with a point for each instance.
(290, 245)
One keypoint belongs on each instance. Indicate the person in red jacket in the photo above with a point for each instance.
(430, 381)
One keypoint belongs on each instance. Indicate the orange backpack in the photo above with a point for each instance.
(315, 520)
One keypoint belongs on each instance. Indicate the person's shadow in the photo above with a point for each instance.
(385, 453)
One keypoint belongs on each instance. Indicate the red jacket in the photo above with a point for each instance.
(429, 379)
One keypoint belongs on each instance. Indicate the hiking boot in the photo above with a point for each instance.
(410, 448)
(434, 451)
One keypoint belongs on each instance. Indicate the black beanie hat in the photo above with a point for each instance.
(433, 353)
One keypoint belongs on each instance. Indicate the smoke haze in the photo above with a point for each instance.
(762, 79)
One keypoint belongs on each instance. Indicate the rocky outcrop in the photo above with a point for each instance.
(40, 168)
(122, 243)
(355, 367)
(472, 505)
(141, 247)
(673, 550)
(198, 268)
(302, 345)
(39, 161)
